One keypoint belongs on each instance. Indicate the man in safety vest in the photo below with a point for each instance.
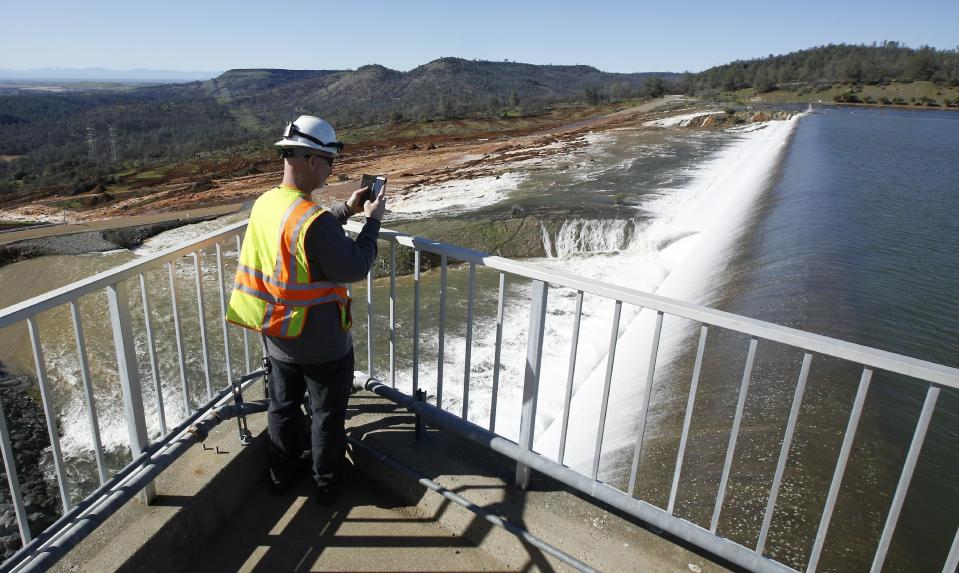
(291, 286)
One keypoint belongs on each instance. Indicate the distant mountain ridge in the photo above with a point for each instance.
(104, 74)
(60, 138)
(444, 87)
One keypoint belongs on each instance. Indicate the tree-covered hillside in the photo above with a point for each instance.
(828, 65)
(59, 141)
(64, 139)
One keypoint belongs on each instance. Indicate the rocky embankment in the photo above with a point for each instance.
(28, 436)
(87, 242)
(724, 119)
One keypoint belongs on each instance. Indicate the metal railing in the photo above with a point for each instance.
(936, 377)
(114, 283)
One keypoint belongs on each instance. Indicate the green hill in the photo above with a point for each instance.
(825, 66)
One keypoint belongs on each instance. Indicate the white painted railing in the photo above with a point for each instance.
(936, 378)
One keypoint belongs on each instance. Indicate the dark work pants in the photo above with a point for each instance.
(329, 386)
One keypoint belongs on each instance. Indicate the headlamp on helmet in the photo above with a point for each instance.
(311, 133)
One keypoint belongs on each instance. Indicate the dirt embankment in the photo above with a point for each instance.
(411, 164)
(410, 161)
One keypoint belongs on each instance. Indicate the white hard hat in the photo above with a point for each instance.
(310, 132)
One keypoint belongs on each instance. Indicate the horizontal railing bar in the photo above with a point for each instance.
(815, 343)
(31, 307)
(864, 355)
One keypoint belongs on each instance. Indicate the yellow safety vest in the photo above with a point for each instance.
(273, 289)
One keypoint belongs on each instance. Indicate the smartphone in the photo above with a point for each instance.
(378, 184)
(375, 183)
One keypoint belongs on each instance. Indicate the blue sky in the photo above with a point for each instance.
(613, 36)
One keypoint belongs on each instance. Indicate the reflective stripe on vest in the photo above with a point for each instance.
(273, 288)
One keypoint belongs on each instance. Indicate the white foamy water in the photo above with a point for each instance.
(64, 368)
(679, 120)
(456, 196)
(186, 233)
(684, 244)
(589, 236)
(673, 254)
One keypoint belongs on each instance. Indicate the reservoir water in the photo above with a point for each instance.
(841, 222)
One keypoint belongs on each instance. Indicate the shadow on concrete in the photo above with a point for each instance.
(389, 429)
(361, 531)
(383, 520)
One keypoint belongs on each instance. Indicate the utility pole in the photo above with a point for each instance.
(92, 143)
(113, 143)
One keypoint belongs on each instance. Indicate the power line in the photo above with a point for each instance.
(113, 143)
(92, 143)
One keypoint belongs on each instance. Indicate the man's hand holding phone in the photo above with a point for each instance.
(372, 191)
(374, 209)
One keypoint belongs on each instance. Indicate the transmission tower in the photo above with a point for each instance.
(92, 143)
(113, 143)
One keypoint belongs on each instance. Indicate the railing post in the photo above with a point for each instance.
(534, 356)
(119, 305)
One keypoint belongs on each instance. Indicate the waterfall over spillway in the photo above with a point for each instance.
(588, 236)
(675, 254)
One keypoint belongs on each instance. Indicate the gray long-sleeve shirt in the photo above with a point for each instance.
(333, 256)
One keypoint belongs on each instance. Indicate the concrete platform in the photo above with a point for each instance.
(214, 513)
(600, 536)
